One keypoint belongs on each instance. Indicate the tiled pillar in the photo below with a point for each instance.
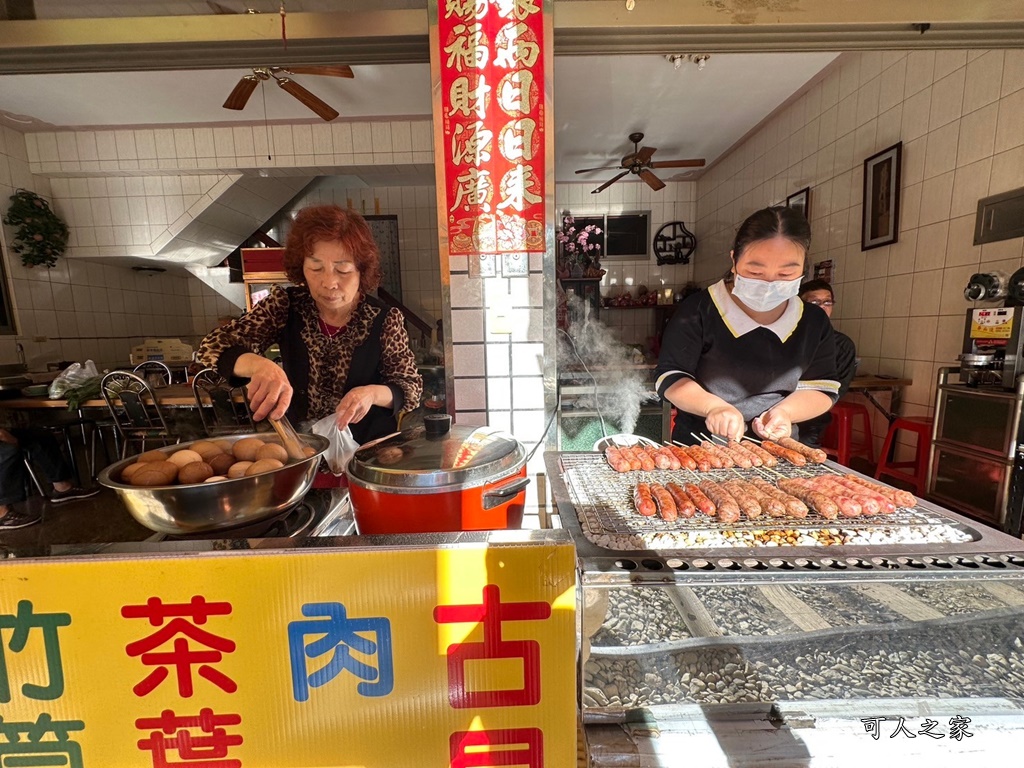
(498, 306)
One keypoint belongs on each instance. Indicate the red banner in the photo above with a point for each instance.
(492, 99)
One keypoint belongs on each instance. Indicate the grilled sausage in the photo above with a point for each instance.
(869, 504)
(742, 448)
(749, 506)
(643, 500)
(615, 459)
(885, 505)
(684, 504)
(767, 460)
(630, 455)
(817, 501)
(815, 455)
(660, 460)
(849, 505)
(797, 459)
(795, 508)
(715, 452)
(646, 462)
(713, 456)
(670, 457)
(704, 462)
(728, 509)
(769, 505)
(685, 460)
(900, 498)
(665, 502)
(703, 504)
(739, 457)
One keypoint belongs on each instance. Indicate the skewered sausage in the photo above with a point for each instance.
(901, 498)
(739, 457)
(661, 461)
(700, 500)
(769, 505)
(666, 505)
(673, 461)
(886, 505)
(849, 506)
(615, 459)
(685, 460)
(630, 455)
(715, 451)
(684, 504)
(704, 462)
(797, 459)
(794, 507)
(646, 462)
(741, 448)
(713, 456)
(643, 500)
(815, 455)
(817, 501)
(869, 504)
(728, 509)
(767, 460)
(749, 505)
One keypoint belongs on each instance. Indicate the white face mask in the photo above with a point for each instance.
(764, 295)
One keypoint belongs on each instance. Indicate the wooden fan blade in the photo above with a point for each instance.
(341, 70)
(644, 155)
(315, 103)
(652, 181)
(607, 184)
(239, 97)
(678, 163)
(605, 168)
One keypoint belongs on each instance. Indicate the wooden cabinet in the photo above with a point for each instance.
(262, 269)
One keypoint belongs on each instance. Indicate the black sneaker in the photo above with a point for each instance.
(73, 494)
(17, 519)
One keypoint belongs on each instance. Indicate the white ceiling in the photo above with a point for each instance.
(599, 100)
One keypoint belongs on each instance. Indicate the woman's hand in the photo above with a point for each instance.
(773, 424)
(726, 421)
(357, 403)
(270, 392)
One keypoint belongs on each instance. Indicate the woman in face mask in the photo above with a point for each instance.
(746, 353)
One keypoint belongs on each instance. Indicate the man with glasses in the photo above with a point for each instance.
(819, 293)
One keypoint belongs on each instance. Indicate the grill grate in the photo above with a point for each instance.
(603, 502)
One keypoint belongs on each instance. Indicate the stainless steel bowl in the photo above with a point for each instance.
(184, 509)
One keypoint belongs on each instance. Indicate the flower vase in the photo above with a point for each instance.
(576, 271)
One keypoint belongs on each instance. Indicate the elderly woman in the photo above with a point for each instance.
(342, 350)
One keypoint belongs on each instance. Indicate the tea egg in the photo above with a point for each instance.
(245, 449)
(221, 463)
(238, 469)
(153, 456)
(196, 472)
(263, 465)
(272, 451)
(183, 457)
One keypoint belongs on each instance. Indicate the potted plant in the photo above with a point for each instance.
(580, 255)
(41, 237)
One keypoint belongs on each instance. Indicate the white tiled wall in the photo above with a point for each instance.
(960, 116)
(88, 310)
(676, 202)
(416, 210)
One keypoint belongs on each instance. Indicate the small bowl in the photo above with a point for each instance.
(623, 440)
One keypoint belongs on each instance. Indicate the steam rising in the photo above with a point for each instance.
(621, 388)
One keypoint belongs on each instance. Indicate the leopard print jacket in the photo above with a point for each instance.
(330, 358)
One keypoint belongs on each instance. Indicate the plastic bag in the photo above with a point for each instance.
(342, 444)
(74, 375)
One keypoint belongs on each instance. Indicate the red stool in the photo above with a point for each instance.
(919, 466)
(838, 442)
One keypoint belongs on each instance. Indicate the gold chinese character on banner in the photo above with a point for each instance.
(517, 141)
(519, 187)
(465, 9)
(474, 189)
(518, 9)
(468, 49)
(471, 144)
(467, 99)
(514, 47)
(517, 93)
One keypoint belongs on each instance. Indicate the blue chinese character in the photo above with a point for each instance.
(336, 633)
(26, 743)
(22, 623)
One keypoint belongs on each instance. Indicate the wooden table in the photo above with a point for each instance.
(865, 385)
(173, 396)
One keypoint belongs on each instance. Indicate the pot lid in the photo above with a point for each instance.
(414, 458)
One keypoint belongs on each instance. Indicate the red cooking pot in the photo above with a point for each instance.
(439, 478)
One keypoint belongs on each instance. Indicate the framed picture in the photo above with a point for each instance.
(801, 201)
(880, 222)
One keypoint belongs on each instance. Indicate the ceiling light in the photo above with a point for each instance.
(630, 5)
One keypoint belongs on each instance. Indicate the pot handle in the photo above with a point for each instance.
(500, 495)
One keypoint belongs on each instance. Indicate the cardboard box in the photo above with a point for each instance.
(166, 350)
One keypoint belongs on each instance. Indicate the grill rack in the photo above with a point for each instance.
(604, 499)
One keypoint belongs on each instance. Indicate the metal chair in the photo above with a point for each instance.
(218, 402)
(135, 410)
(157, 373)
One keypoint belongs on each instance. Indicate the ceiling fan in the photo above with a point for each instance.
(239, 97)
(639, 162)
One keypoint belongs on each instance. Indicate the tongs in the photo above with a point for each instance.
(289, 437)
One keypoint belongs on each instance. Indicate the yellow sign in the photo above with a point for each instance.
(992, 323)
(462, 656)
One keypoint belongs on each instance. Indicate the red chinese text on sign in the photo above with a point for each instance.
(492, 71)
(497, 747)
(492, 612)
(181, 657)
(175, 733)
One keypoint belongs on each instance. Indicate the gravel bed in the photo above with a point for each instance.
(742, 611)
(954, 600)
(843, 606)
(939, 659)
(638, 616)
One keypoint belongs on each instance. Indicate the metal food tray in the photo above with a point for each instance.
(595, 505)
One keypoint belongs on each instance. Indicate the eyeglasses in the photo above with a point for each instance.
(819, 303)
